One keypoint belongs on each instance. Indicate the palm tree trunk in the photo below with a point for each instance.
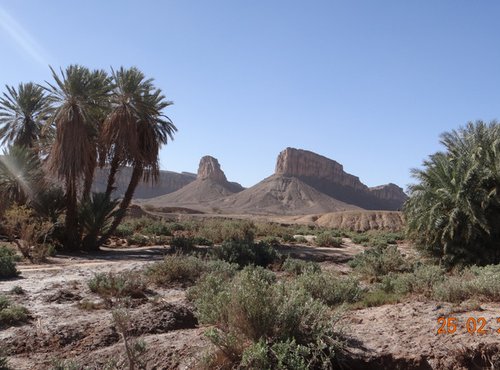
(89, 179)
(127, 198)
(71, 222)
(113, 169)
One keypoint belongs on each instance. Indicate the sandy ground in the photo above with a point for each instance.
(400, 336)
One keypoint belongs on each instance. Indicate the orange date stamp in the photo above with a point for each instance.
(471, 325)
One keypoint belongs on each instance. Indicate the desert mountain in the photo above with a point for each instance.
(281, 195)
(210, 185)
(168, 182)
(303, 183)
(328, 177)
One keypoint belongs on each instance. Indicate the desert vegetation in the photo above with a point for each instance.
(59, 133)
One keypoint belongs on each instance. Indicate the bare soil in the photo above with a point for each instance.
(399, 336)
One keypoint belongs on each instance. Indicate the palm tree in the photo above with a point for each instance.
(135, 130)
(453, 210)
(21, 176)
(120, 126)
(23, 114)
(79, 95)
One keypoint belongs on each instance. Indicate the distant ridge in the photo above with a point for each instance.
(168, 182)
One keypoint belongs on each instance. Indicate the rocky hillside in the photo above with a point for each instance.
(329, 177)
(281, 195)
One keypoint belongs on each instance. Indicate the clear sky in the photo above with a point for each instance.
(370, 84)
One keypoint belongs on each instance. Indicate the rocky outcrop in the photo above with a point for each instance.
(390, 193)
(329, 177)
(209, 168)
(303, 163)
(210, 185)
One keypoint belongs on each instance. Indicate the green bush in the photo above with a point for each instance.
(182, 244)
(297, 267)
(421, 281)
(111, 286)
(361, 239)
(138, 240)
(379, 261)
(253, 310)
(7, 263)
(199, 240)
(124, 230)
(11, 314)
(218, 230)
(245, 253)
(378, 298)
(280, 355)
(329, 239)
(157, 228)
(186, 270)
(329, 288)
(176, 269)
(473, 282)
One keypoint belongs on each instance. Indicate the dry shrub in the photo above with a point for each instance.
(28, 232)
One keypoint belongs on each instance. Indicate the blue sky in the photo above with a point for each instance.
(370, 84)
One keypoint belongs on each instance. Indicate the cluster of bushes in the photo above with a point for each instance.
(146, 230)
(113, 287)
(246, 252)
(375, 238)
(262, 322)
(329, 239)
(379, 261)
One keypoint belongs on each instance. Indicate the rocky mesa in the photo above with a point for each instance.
(329, 177)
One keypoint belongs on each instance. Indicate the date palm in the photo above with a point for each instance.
(79, 95)
(135, 130)
(119, 132)
(23, 113)
(453, 211)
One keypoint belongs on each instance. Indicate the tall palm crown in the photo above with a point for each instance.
(154, 129)
(134, 101)
(23, 113)
(126, 104)
(80, 96)
(134, 131)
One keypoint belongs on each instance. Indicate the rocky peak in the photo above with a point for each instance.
(303, 163)
(329, 177)
(209, 168)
